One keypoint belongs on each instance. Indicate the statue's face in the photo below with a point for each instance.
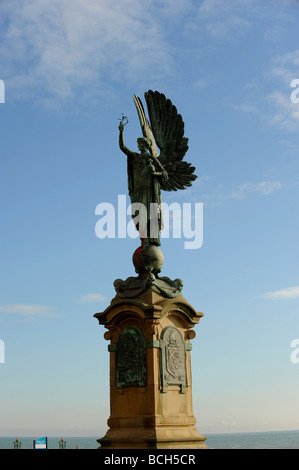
(141, 144)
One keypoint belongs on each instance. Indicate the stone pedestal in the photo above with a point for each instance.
(150, 329)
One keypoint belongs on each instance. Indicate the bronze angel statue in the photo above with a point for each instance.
(150, 172)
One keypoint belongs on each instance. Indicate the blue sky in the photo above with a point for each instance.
(70, 70)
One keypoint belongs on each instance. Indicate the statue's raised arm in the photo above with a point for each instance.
(123, 122)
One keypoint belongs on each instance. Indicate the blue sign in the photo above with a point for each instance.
(41, 443)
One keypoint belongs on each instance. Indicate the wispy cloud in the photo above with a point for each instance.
(287, 293)
(275, 34)
(285, 113)
(242, 191)
(229, 423)
(34, 310)
(263, 188)
(92, 298)
(225, 20)
(55, 47)
(285, 66)
(283, 70)
(269, 95)
(289, 146)
(245, 107)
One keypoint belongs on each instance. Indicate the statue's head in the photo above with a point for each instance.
(144, 143)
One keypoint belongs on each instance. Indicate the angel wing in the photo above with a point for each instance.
(166, 128)
(145, 126)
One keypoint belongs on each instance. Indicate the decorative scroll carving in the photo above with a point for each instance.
(190, 334)
(135, 286)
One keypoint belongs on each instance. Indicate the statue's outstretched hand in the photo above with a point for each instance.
(123, 122)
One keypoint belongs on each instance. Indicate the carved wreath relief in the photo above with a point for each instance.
(131, 359)
(173, 358)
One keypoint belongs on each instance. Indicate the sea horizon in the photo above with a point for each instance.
(279, 439)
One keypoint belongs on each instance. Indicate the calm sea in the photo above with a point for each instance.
(252, 440)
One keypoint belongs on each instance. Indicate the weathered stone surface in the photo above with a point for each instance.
(157, 412)
(172, 359)
(135, 286)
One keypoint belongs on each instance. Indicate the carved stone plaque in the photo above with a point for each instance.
(130, 359)
(173, 359)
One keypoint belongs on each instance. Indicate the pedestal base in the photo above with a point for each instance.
(150, 372)
(143, 438)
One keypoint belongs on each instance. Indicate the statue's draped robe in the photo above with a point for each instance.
(144, 188)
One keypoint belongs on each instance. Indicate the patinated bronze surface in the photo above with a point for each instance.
(130, 359)
(149, 172)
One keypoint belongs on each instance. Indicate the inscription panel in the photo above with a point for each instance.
(130, 364)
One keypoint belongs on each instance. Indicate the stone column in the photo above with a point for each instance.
(150, 367)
